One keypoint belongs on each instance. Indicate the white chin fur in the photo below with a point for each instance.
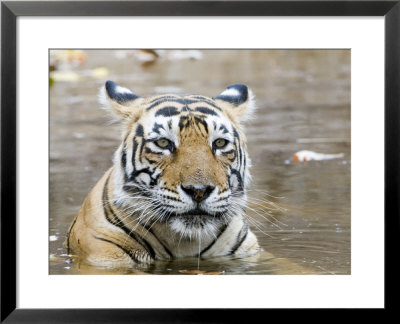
(195, 231)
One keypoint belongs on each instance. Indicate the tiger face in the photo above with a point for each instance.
(182, 161)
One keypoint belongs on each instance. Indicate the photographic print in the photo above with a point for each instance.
(200, 162)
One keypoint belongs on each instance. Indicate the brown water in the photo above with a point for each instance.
(304, 103)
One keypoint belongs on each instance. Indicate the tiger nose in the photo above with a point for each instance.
(198, 192)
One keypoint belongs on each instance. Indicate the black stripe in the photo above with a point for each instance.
(206, 111)
(154, 179)
(123, 156)
(229, 152)
(139, 130)
(186, 101)
(223, 127)
(201, 121)
(156, 127)
(128, 252)
(150, 161)
(172, 100)
(240, 155)
(235, 133)
(223, 206)
(171, 198)
(123, 164)
(165, 248)
(141, 150)
(105, 202)
(136, 173)
(134, 190)
(200, 98)
(184, 122)
(222, 198)
(182, 101)
(69, 233)
(118, 222)
(165, 98)
(215, 240)
(136, 147)
(132, 235)
(133, 157)
(123, 159)
(167, 111)
(240, 239)
(207, 101)
(150, 151)
(170, 190)
(238, 177)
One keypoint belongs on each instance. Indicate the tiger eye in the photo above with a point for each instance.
(162, 142)
(220, 142)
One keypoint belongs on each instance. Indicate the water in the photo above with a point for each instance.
(300, 212)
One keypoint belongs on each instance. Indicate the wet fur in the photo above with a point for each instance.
(138, 211)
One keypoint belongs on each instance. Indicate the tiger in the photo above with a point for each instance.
(178, 184)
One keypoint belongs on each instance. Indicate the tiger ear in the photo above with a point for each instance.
(119, 100)
(238, 101)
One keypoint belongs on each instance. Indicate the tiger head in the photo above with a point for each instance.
(183, 159)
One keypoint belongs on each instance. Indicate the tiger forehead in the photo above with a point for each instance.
(193, 125)
(176, 104)
(185, 117)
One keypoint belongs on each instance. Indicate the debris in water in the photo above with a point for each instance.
(65, 76)
(53, 238)
(176, 55)
(305, 156)
(73, 76)
(146, 56)
(99, 73)
(66, 59)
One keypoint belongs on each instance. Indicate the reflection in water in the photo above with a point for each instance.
(299, 211)
(261, 263)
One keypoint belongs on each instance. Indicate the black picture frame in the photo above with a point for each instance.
(10, 11)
